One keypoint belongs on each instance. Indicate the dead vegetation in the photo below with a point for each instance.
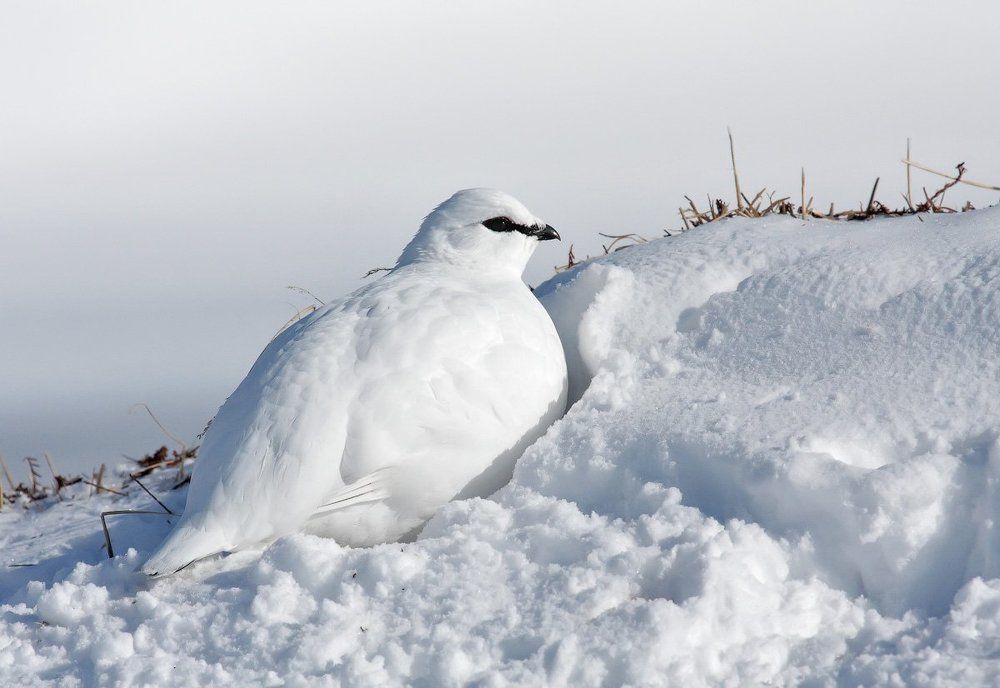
(765, 202)
(768, 202)
(617, 243)
(39, 489)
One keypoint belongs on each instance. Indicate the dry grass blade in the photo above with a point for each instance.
(6, 473)
(57, 480)
(570, 262)
(306, 292)
(960, 168)
(299, 314)
(103, 488)
(692, 216)
(3, 464)
(160, 425)
(909, 187)
(375, 271)
(736, 177)
(802, 207)
(155, 499)
(99, 478)
(621, 238)
(107, 533)
(626, 240)
(871, 199)
(36, 475)
(954, 178)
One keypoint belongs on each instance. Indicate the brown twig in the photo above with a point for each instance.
(909, 190)
(103, 487)
(736, 176)
(146, 490)
(159, 424)
(802, 207)
(954, 178)
(35, 473)
(107, 533)
(306, 292)
(375, 271)
(3, 464)
(871, 199)
(56, 482)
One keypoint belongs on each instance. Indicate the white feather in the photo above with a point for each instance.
(363, 418)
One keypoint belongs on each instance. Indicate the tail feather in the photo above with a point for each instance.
(186, 544)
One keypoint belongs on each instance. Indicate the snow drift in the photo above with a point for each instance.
(781, 466)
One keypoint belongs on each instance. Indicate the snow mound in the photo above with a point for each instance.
(781, 466)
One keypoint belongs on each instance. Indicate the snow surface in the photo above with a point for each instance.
(781, 467)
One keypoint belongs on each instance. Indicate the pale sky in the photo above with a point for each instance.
(166, 169)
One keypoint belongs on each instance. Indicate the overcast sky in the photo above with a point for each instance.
(166, 169)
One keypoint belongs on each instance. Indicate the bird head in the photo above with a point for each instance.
(482, 229)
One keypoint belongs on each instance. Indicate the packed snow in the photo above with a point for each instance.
(781, 465)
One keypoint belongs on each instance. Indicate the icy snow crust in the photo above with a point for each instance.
(781, 467)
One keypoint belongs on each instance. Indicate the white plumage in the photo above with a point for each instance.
(363, 418)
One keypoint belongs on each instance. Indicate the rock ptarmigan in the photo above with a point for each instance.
(360, 420)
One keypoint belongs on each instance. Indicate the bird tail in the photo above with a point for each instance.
(187, 543)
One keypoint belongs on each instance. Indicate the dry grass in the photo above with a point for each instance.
(617, 243)
(764, 204)
(37, 490)
(767, 202)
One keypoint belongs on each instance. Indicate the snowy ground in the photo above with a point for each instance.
(783, 469)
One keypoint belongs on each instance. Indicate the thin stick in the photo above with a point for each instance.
(940, 192)
(157, 421)
(951, 176)
(35, 475)
(149, 467)
(306, 292)
(871, 199)
(909, 193)
(165, 508)
(102, 487)
(55, 480)
(107, 534)
(299, 314)
(753, 203)
(99, 478)
(803, 206)
(736, 177)
(6, 473)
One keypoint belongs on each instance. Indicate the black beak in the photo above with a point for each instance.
(547, 232)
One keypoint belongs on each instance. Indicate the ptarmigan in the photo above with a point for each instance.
(360, 420)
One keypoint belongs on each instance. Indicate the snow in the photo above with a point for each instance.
(781, 467)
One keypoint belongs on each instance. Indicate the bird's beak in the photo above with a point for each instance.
(547, 232)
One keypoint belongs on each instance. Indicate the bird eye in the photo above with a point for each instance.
(500, 224)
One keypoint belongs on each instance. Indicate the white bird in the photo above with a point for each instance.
(360, 420)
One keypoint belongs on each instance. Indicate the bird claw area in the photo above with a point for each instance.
(781, 466)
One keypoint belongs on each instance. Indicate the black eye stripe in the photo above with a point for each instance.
(505, 224)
